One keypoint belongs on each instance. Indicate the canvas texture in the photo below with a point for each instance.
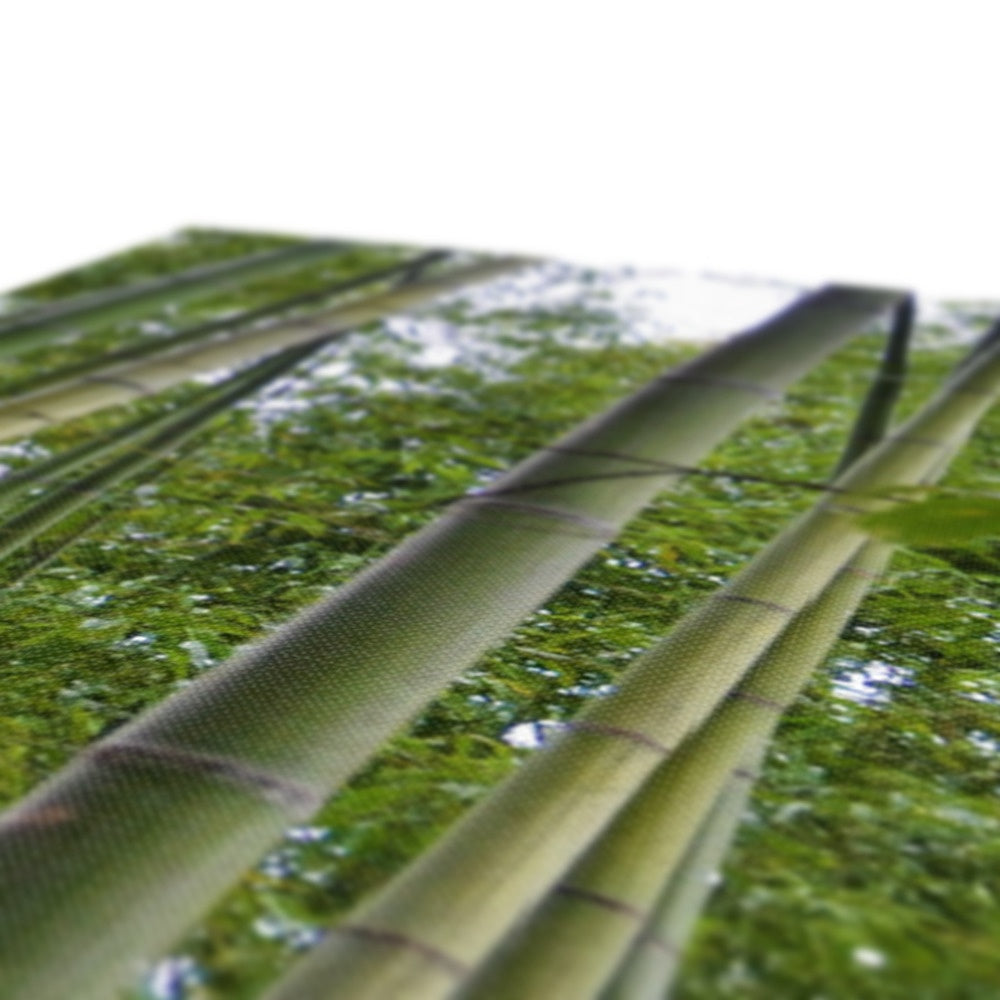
(383, 621)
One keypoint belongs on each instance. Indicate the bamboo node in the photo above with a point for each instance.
(400, 940)
(593, 526)
(660, 943)
(607, 902)
(299, 799)
(125, 383)
(865, 574)
(969, 390)
(45, 815)
(657, 464)
(756, 699)
(38, 415)
(619, 731)
(759, 602)
(845, 508)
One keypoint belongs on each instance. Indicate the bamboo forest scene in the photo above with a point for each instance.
(384, 622)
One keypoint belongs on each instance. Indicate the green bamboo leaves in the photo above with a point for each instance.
(214, 774)
(131, 448)
(939, 519)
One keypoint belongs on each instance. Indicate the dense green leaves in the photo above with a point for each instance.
(941, 519)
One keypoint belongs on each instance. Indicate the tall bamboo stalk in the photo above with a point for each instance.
(648, 969)
(130, 380)
(873, 421)
(652, 961)
(434, 923)
(214, 774)
(573, 943)
(57, 379)
(148, 443)
(16, 484)
(118, 304)
(989, 337)
(44, 551)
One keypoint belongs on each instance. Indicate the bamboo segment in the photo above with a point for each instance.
(987, 340)
(876, 411)
(85, 312)
(131, 380)
(577, 937)
(150, 435)
(618, 876)
(60, 379)
(287, 720)
(45, 551)
(147, 444)
(648, 969)
(449, 909)
(15, 485)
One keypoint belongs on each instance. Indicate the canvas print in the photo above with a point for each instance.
(382, 621)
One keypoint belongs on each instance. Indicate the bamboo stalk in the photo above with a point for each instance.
(214, 774)
(435, 922)
(648, 970)
(989, 337)
(147, 444)
(16, 484)
(876, 411)
(651, 964)
(578, 936)
(59, 379)
(45, 551)
(131, 380)
(116, 305)
(48, 311)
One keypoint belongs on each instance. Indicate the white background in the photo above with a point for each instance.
(808, 141)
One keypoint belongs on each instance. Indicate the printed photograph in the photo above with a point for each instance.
(389, 621)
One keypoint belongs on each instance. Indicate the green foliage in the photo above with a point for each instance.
(940, 519)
